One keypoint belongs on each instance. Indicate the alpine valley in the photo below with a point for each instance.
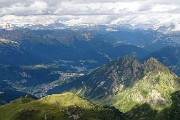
(84, 72)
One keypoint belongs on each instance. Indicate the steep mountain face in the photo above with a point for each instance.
(67, 106)
(111, 78)
(105, 80)
(169, 56)
(126, 84)
(122, 72)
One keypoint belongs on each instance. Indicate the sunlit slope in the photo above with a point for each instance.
(67, 106)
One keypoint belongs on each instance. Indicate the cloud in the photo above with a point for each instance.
(91, 11)
(84, 7)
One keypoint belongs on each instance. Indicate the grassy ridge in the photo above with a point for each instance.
(65, 106)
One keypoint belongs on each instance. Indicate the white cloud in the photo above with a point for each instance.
(164, 8)
(91, 11)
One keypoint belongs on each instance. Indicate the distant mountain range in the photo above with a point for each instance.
(43, 46)
(172, 27)
(49, 46)
(148, 39)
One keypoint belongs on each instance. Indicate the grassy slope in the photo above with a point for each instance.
(145, 90)
(56, 107)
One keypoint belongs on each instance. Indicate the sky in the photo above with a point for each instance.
(90, 11)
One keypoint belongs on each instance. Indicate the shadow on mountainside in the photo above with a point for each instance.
(145, 112)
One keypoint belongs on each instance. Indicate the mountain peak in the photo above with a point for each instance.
(126, 61)
(106, 80)
(152, 60)
(116, 76)
(127, 57)
(152, 65)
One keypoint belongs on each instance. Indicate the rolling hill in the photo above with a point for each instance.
(67, 106)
